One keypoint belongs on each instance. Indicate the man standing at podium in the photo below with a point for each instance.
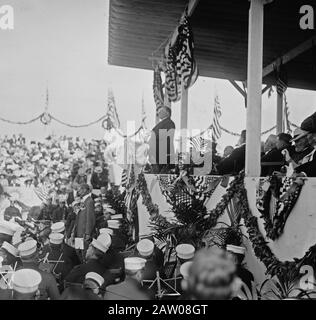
(161, 148)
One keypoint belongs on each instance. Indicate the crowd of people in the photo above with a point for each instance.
(280, 154)
(74, 245)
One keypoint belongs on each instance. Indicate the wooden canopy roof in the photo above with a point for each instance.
(140, 29)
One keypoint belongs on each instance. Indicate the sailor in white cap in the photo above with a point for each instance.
(96, 250)
(106, 230)
(58, 227)
(6, 231)
(238, 254)
(185, 252)
(10, 255)
(25, 283)
(93, 282)
(145, 249)
(130, 288)
(114, 224)
(53, 254)
(30, 259)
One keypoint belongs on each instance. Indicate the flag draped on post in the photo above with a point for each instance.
(143, 124)
(216, 128)
(112, 115)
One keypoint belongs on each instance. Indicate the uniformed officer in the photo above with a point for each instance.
(185, 252)
(113, 261)
(245, 275)
(130, 288)
(26, 284)
(145, 249)
(96, 250)
(70, 256)
(119, 240)
(6, 231)
(54, 256)
(30, 260)
(10, 255)
(93, 283)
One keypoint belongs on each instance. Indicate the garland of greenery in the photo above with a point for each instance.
(291, 191)
(259, 244)
(141, 188)
(213, 216)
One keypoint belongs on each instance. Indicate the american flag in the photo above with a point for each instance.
(42, 192)
(216, 128)
(199, 144)
(112, 116)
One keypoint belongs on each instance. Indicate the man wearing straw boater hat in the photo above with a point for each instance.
(30, 259)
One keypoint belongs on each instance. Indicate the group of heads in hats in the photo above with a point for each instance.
(46, 162)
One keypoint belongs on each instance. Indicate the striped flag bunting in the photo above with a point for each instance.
(42, 192)
(112, 115)
(216, 128)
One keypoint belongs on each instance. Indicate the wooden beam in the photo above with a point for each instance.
(279, 114)
(239, 89)
(266, 88)
(293, 53)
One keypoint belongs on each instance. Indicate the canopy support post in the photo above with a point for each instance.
(279, 118)
(254, 81)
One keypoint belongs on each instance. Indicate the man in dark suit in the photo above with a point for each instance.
(273, 158)
(85, 220)
(161, 148)
(99, 178)
(309, 167)
(94, 255)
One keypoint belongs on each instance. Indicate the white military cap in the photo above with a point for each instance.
(26, 280)
(96, 277)
(106, 230)
(58, 227)
(56, 238)
(235, 249)
(27, 248)
(185, 251)
(184, 269)
(116, 216)
(103, 242)
(8, 228)
(145, 247)
(134, 263)
(114, 224)
(10, 248)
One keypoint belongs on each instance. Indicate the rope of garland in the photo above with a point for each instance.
(141, 188)
(274, 228)
(259, 244)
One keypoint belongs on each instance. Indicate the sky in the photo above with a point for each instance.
(62, 45)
